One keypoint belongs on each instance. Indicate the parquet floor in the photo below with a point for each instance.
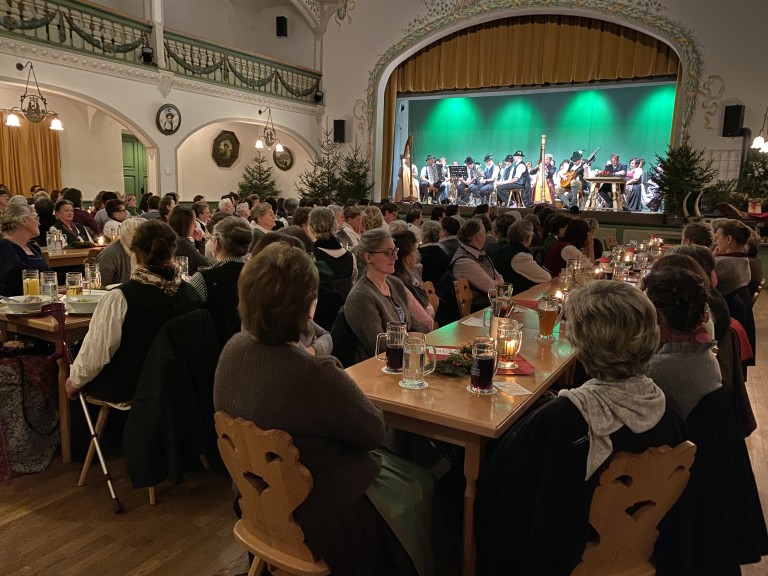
(49, 526)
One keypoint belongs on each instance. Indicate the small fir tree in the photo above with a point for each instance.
(684, 171)
(257, 179)
(355, 171)
(321, 182)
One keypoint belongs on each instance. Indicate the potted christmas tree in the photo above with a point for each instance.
(257, 179)
(683, 173)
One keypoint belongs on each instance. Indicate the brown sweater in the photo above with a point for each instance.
(332, 423)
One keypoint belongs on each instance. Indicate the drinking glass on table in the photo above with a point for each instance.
(30, 281)
(92, 277)
(415, 352)
(500, 291)
(50, 285)
(509, 339)
(183, 264)
(393, 341)
(484, 365)
(74, 283)
(550, 313)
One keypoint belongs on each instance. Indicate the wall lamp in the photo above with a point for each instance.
(759, 142)
(33, 106)
(269, 135)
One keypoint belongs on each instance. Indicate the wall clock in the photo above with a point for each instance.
(168, 119)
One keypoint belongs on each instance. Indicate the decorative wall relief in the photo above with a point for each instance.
(342, 12)
(360, 114)
(711, 92)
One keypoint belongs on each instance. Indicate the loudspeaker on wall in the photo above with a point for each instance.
(340, 131)
(281, 23)
(733, 120)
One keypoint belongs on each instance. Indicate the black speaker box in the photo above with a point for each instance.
(733, 121)
(340, 131)
(281, 23)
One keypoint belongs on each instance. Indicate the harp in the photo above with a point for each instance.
(407, 184)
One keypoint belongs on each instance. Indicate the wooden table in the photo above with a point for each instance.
(68, 257)
(597, 182)
(46, 328)
(447, 411)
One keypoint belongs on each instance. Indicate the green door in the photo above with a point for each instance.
(134, 166)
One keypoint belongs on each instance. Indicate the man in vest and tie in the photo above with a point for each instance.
(511, 179)
(490, 175)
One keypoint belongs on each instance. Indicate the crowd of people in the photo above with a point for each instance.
(280, 276)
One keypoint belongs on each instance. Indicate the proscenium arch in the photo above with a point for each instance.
(142, 136)
(678, 37)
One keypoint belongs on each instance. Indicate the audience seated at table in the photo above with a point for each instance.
(265, 377)
(81, 216)
(65, 222)
(116, 214)
(19, 227)
(699, 234)
(514, 259)
(217, 285)
(472, 263)
(378, 297)
(685, 367)
(500, 227)
(434, 259)
(101, 215)
(574, 244)
(113, 351)
(116, 261)
(323, 226)
(406, 268)
(262, 220)
(166, 207)
(182, 222)
(349, 234)
(554, 228)
(533, 499)
(449, 239)
(44, 208)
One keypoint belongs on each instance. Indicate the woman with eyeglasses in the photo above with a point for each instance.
(18, 225)
(379, 296)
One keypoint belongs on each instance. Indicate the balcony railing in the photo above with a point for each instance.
(189, 57)
(97, 32)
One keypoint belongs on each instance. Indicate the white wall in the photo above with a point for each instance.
(199, 174)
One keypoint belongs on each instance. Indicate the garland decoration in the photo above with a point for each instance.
(11, 23)
(101, 44)
(296, 91)
(251, 82)
(194, 68)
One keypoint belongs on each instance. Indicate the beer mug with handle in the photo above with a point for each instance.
(550, 313)
(391, 343)
(415, 353)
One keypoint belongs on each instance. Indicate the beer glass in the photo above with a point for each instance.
(484, 365)
(30, 281)
(550, 313)
(508, 342)
(74, 284)
(92, 277)
(415, 352)
(50, 285)
(393, 341)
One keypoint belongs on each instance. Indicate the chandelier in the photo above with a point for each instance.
(269, 137)
(33, 105)
(759, 142)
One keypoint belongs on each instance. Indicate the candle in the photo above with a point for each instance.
(100, 241)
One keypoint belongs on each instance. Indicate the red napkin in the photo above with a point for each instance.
(524, 368)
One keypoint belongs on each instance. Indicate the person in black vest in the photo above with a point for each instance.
(113, 351)
(217, 285)
(512, 180)
(323, 227)
(515, 261)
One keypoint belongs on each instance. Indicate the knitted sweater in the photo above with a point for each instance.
(332, 423)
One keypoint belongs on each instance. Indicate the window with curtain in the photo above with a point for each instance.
(524, 51)
(29, 155)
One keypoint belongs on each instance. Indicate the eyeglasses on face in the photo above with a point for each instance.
(389, 253)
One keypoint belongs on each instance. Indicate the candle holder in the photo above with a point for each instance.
(509, 339)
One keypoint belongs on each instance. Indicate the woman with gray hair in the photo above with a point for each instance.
(471, 262)
(116, 261)
(19, 225)
(262, 220)
(554, 455)
(322, 227)
(378, 297)
(515, 261)
(349, 233)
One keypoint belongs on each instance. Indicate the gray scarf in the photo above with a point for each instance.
(636, 403)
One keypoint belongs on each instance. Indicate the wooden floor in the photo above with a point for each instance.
(49, 526)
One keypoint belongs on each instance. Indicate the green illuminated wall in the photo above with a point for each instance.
(629, 120)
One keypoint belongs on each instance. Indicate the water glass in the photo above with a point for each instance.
(619, 273)
(550, 313)
(415, 352)
(183, 263)
(509, 339)
(74, 282)
(500, 291)
(30, 281)
(392, 342)
(92, 277)
(50, 285)
(484, 365)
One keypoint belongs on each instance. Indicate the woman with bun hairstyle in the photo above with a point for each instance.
(113, 351)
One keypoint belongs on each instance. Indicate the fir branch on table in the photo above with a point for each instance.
(457, 364)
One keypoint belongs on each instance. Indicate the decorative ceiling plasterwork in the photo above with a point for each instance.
(324, 10)
(445, 14)
(164, 81)
(711, 92)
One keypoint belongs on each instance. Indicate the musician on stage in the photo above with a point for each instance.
(615, 168)
(490, 175)
(578, 184)
(470, 185)
(432, 175)
(511, 178)
(551, 169)
(563, 194)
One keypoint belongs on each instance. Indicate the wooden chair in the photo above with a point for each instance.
(463, 296)
(634, 493)
(429, 288)
(757, 291)
(265, 467)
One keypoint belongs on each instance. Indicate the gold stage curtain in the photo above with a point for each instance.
(525, 51)
(29, 155)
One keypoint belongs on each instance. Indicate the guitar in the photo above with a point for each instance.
(566, 180)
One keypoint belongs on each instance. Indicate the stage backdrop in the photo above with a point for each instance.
(631, 120)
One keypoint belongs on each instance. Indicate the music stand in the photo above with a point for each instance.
(454, 173)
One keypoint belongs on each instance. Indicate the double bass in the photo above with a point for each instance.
(543, 184)
(407, 184)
